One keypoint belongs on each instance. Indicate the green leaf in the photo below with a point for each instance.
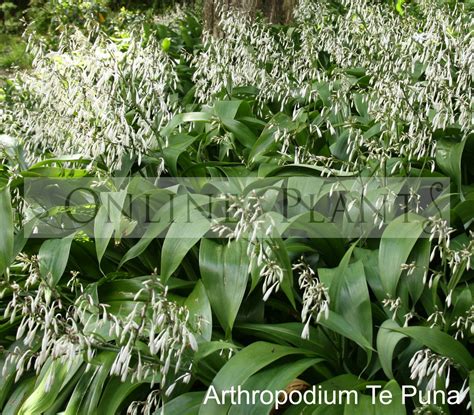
(350, 296)
(48, 387)
(363, 406)
(79, 392)
(162, 219)
(66, 391)
(103, 230)
(208, 348)
(6, 230)
(465, 211)
(179, 119)
(227, 109)
(18, 396)
(399, 7)
(324, 235)
(397, 242)
(8, 370)
(243, 133)
(177, 144)
(224, 272)
(176, 246)
(165, 44)
(265, 142)
(186, 404)
(53, 257)
(396, 407)
(287, 334)
(115, 393)
(91, 399)
(370, 259)
(338, 324)
(449, 157)
(273, 379)
(23, 235)
(387, 340)
(200, 311)
(471, 387)
(76, 158)
(413, 282)
(108, 220)
(243, 365)
(362, 107)
(281, 254)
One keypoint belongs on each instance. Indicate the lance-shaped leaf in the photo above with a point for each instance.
(224, 272)
(182, 235)
(238, 369)
(53, 257)
(349, 297)
(397, 242)
(387, 341)
(200, 311)
(6, 229)
(274, 379)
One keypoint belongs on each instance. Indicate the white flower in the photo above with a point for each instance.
(427, 365)
(315, 296)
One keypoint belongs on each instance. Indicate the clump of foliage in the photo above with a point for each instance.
(115, 324)
(10, 20)
(12, 48)
(49, 19)
(13, 52)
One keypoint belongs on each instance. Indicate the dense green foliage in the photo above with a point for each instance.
(13, 52)
(114, 324)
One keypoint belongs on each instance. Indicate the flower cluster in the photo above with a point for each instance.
(465, 324)
(165, 325)
(393, 304)
(54, 327)
(256, 228)
(427, 365)
(246, 211)
(315, 296)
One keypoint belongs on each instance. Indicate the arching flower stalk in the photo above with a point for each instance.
(315, 296)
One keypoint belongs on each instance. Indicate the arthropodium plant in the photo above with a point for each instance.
(418, 70)
(408, 95)
(256, 229)
(105, 99)
(51, 329)
(315, 296)
(102, 100)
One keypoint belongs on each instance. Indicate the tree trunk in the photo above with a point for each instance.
(276, 11)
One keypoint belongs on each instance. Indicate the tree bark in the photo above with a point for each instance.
(276, 11)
